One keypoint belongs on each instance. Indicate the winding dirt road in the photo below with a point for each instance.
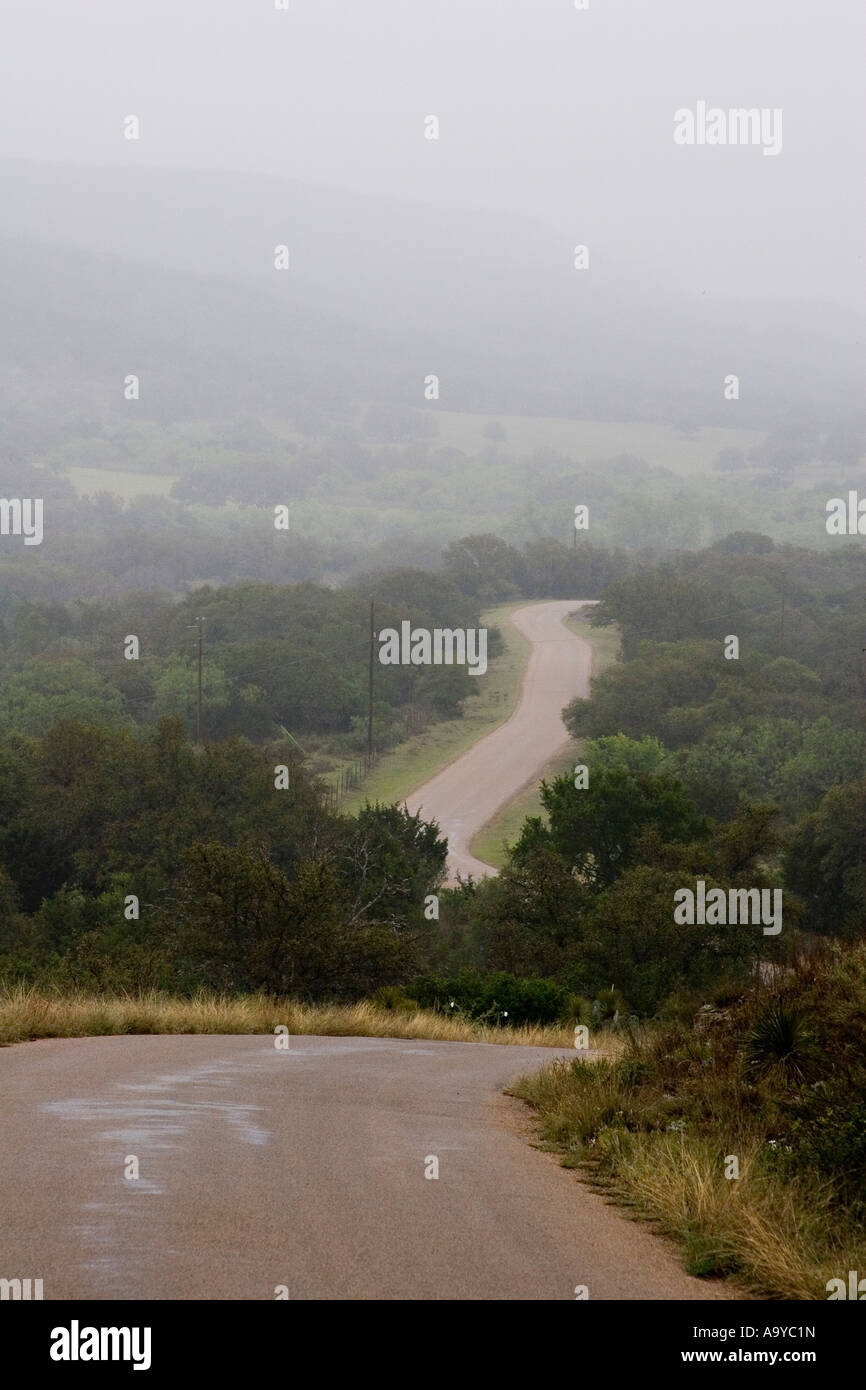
(468, 793)
(213, 1167)
(259, 1168)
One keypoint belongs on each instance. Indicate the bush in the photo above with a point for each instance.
(498, 998)
(828, 1136)
(609, 1006)
(392, 997)
(780, 1042)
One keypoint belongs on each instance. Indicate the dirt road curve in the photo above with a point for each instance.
(467, 794)
(305, 1168)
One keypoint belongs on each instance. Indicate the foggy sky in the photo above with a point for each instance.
(563, 115)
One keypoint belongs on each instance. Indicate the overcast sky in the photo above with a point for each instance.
(545, 110)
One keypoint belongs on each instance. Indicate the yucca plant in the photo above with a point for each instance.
(780, 1043)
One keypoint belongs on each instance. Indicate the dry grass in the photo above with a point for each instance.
(780, 1237)
(774, 1077)
(30, 1013)
(776, 1236)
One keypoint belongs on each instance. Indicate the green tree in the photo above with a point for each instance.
(529, 917)
(644, 756)
(485, 567)
(632, 942)
(597, 830)
(66, 688)
(175, 687)
(826, 862)
(390, 862)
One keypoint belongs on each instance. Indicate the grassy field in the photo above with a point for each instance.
(660, 445)
(26, 1014)
(88, 481)
(491, 842)
(399, 772)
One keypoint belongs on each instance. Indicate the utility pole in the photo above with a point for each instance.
(782, 619)
(370, 701)
(199, 623)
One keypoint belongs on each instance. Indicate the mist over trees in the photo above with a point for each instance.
(434, 386)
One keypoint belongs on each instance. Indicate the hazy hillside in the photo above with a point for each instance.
(492, 305)
(74, 323)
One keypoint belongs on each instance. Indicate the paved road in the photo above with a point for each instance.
(303, 1168)
(468, 793)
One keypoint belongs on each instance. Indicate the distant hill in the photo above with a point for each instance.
(74, 324)
(174, 269)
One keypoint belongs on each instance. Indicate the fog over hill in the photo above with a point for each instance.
(432, 443)
(176, 269)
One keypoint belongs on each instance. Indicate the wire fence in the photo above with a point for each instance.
(351, 775)
(348, 779)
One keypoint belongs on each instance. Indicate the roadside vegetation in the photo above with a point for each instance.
(149, 884)
(191, 836)
(739, 1125)
(27, 1014)
(420, 756)
(131, 859)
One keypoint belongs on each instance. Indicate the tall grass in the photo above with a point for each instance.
(28, 1013)
(657, 1124)
(780, 1237)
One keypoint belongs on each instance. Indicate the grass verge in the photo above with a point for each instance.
(775, 1082)
(27, 1014)
(399, 772)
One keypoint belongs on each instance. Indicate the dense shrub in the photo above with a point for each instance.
(496, 998)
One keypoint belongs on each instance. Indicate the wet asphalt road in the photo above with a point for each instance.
(303, 1168)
